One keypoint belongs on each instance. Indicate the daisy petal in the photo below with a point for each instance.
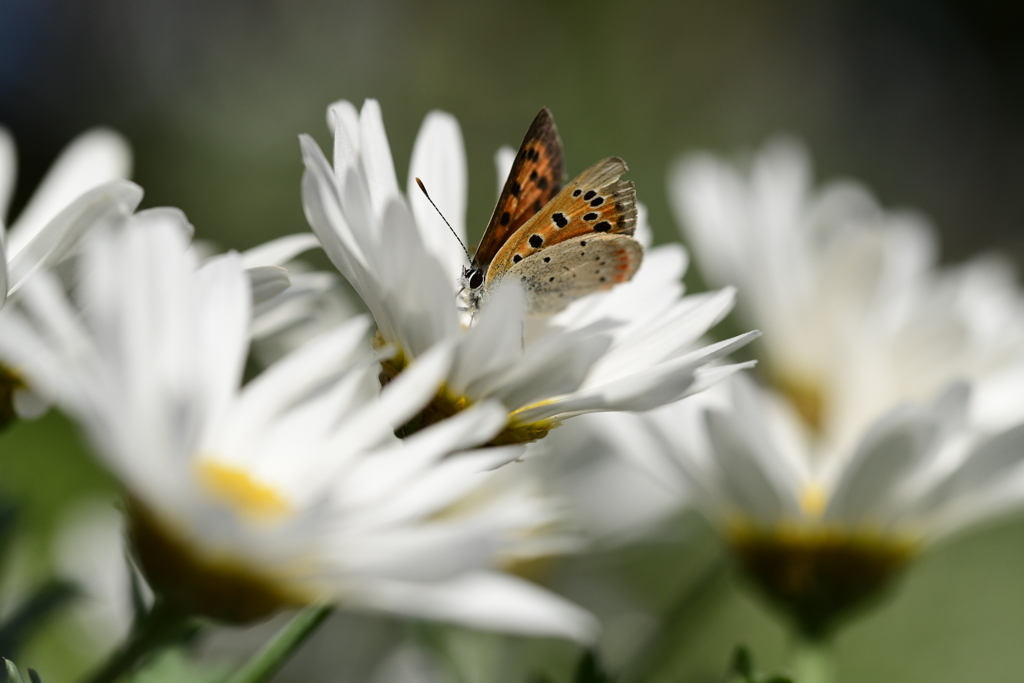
(485, 600)
(92, 159)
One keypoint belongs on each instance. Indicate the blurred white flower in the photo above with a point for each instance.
(865, 445)
(609, 499)
(821, 532)
(630, 348)
(293, 488)
(84, 187)
(857, 317)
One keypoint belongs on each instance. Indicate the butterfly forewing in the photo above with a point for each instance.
(595, 202)
(575, 268)
(535, 178)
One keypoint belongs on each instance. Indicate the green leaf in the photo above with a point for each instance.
(742, 669)
(34, 677)
(13, 675)
(589, 669)
(8, 515)
(30, 615)
(742, 664)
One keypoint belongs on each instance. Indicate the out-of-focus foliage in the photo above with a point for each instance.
(742, 670)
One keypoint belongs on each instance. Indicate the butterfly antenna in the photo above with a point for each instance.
(425, 194)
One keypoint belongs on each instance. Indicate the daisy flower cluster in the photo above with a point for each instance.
(886, 413)
(884, 416)
(277, 449)
(283, 448)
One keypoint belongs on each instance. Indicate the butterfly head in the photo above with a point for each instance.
(473, 278)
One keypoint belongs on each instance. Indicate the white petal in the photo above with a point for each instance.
(484, 600)
(553, 368)
(343, 121)
(885, 457)
(405, 395)
(8, 173)
(376, 155)
(224, 312)
(419, 299)
(384, 472)
(747, 470)
(92, 159)
(104, 205)
(279, 387)
(493, 343)
(267, 282)
(280, 251)
(989, 465)
(439, 160)
(166, 215)
(3, 274)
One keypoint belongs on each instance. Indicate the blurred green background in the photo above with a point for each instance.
(922, 100)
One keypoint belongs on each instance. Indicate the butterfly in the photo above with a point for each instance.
(560, 243)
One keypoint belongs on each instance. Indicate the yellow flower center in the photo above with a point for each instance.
(445, 405)
(813, 500)
(241, 492)
(222, 588)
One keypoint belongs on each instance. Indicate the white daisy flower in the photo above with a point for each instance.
(856, 315)
(290, 489)
(84, 187)
(820, 533)
(631, 348)
(875, 437)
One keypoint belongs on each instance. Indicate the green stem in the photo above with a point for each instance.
(678, 623)
(812, 660)
(278, 649)
(161, 626)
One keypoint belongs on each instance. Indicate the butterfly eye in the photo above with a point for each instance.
(476, 279)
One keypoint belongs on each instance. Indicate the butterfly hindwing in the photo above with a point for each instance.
(574, 268)
(536, 177)
(595, 202)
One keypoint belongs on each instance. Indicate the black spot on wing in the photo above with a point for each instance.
(560, 219)
(536, 241)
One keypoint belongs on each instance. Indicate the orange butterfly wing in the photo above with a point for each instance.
(535, 178)
(596, 201)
